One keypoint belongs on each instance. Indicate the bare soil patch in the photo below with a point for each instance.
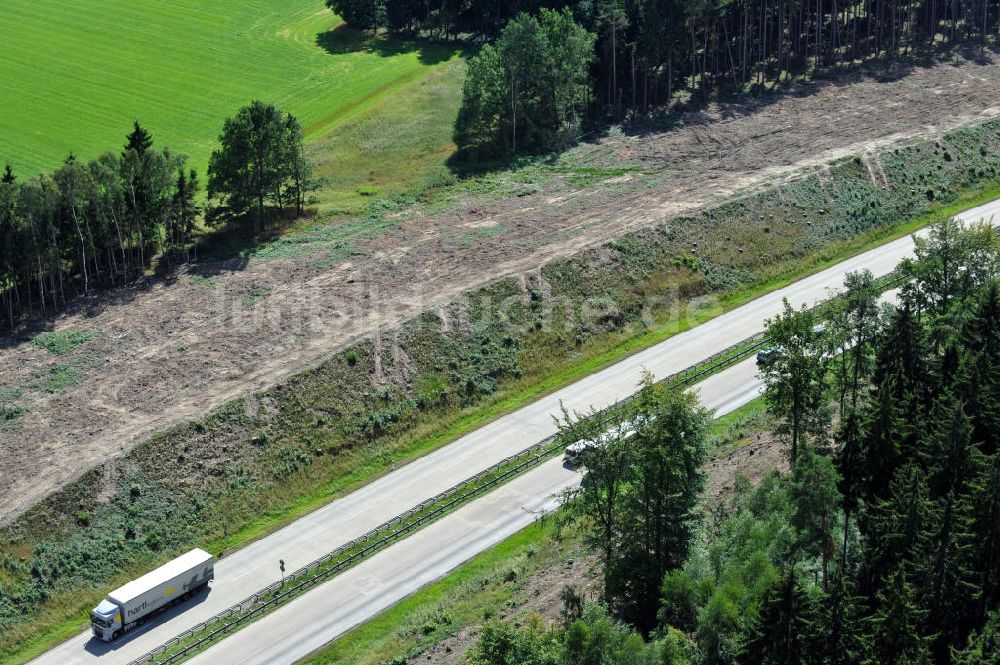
(761, 454)
(178, 349)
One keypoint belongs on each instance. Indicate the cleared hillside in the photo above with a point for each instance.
(162, 355)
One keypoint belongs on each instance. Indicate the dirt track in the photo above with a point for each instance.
(178, 350)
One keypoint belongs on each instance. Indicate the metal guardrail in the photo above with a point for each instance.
(394, 529)
(397, 527)
(377, 539)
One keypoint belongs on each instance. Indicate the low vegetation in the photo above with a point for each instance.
(269, 457)
(393, 144)
(296, 55)
(61, 343)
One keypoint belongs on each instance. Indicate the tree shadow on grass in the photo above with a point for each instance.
(344, 40)
(229, 246)
(727, 103)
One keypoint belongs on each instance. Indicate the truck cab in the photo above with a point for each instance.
(131, 605)
(106, 620)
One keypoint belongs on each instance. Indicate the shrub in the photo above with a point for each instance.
(60, 343)
(9, 414)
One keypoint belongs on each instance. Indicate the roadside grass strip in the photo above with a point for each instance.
(350, 554)
(274, 596)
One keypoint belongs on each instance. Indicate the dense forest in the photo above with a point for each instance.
(644, 53)
(880, 545)
(101, 223)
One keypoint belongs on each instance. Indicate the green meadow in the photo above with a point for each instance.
(76, 73)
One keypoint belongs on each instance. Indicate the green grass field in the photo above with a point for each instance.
(76, 74)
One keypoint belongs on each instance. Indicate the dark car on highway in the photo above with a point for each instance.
(767, 356)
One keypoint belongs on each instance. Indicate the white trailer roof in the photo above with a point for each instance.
(161, 575)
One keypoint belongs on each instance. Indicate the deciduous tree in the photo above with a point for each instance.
(259, 161)
(528, 91)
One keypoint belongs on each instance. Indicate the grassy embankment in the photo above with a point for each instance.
(181, 69)
(259, 463)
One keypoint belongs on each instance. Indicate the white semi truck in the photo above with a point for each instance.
(129, 606)
(576, 452)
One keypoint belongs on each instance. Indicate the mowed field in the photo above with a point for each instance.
(76, 73)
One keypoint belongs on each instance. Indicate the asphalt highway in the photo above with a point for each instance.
(312, 620)
(476, 526)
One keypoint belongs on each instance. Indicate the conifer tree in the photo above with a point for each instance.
(664, 491)
(795, 386)
(784, 625)
(946, 448)
(953, 463)
(838, 632)
(951, 592)
(983, 647)
(848, 464)
(986, 527)
(138, 140)
(146, 175)
(894, 635)
(816, 500)
(981, 370)
(892, 427)
(899, 532)
(183, 212)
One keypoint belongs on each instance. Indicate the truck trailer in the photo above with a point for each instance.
(576, 452)
(131, 605)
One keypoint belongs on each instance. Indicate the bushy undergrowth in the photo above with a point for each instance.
(256, 455)
(743, 546)
(60, 343)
